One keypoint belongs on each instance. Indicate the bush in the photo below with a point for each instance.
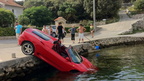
(139, 5)
(9, 31)
(38, 16)
(112, 20)
(7, 18)
(23, 20)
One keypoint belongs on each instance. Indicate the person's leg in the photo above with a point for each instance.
(59, 37)
(92, 33)
(17, 37)
(72, 37)
(62, 37)
(79, 38)
(82, 36)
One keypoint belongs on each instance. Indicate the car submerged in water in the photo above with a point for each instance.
(49, 49)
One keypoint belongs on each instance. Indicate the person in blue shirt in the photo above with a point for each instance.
(18, 29)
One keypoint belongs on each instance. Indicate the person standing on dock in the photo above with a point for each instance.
(18, 30)
(59, 31)
(72, 31)
(45, 30)
(92, 30)
(81, 30)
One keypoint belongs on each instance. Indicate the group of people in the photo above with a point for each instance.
(47, 30)
(60, 30)
(81, 29)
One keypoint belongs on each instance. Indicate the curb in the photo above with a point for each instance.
(7, 37)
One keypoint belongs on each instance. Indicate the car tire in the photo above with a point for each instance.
(27, 48)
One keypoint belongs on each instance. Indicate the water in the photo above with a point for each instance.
(119, 63)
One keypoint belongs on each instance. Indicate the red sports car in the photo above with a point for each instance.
(49, 49)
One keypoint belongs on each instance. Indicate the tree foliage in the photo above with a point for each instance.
(23, 20)
(31, 3)
(104, 8)
(7, 18)
(79, 9)
(139, 5)
(38, 16)
(67, 11)
(128, 1)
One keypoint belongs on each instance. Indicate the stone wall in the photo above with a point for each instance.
(14, 69)
(7, 37)
(116, 41)
(139, 25)
(138, 16)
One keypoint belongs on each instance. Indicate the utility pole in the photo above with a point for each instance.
(94, 15)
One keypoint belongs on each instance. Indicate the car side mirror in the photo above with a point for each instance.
(67, 58)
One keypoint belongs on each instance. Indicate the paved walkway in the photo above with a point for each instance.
(7, 47)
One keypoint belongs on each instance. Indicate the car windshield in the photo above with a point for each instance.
(74, 56)
(41, 35)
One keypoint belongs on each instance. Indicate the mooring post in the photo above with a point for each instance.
(13, 55)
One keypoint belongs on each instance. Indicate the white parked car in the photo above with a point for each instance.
(54, 30)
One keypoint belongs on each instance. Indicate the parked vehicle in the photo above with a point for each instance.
(49, 49)
(54, 30)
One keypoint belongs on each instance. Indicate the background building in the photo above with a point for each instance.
(12, 6)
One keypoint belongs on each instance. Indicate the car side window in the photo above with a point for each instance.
(41, 35)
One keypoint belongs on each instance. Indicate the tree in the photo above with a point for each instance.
(67, 11)
(139, 5)
(128, 1)
(7, 18)
(77, 10)
(31, 3)
(38, 16)
(104, 8)
(23, 20)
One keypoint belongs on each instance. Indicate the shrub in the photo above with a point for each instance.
(139, 5)
(23, 20)
(6, 18)
(38, 16)
(8, 31)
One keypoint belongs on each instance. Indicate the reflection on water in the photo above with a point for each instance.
(123, 63)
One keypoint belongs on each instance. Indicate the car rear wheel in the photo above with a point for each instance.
(27, 48)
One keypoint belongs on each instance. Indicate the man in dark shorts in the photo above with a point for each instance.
(72, 31)
(60, 32)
